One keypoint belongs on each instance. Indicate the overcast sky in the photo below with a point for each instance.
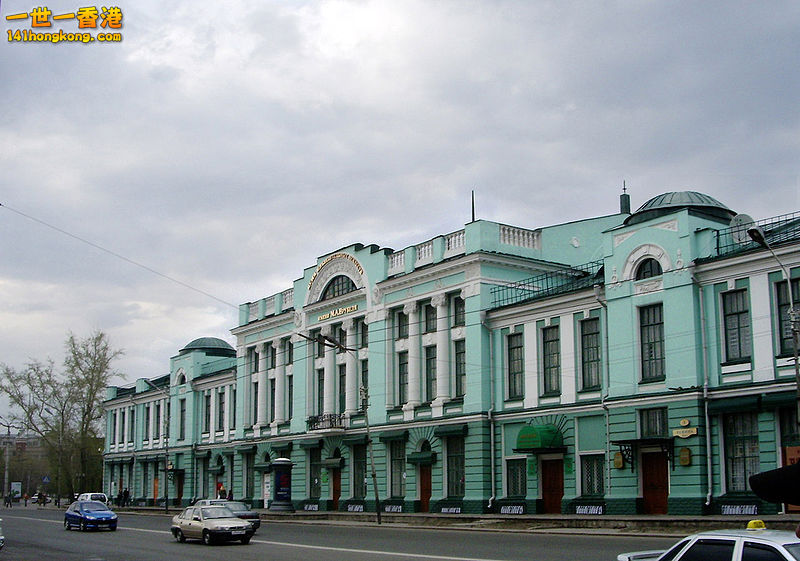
(229, 144)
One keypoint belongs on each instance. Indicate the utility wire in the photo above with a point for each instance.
(119, 256)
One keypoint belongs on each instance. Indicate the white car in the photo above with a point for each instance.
(101, 497)
(756, 544)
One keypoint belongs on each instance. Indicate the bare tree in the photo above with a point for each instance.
(64, 410)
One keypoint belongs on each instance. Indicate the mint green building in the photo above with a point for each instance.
(631, 363)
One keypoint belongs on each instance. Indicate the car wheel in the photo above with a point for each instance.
(66, 525)
(112, 528)
(245, 540)
(206, 537)
(179, 537)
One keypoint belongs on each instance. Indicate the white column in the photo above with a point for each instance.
(351, 370)
(213, 417)
(442, 351)
(261, 421)
(414, 382)
(761, 320)
(329, 401)
(227, 420)
(280, 385)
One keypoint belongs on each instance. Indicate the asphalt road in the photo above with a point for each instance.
(38, 534)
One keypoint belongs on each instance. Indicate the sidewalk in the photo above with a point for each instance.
(640, 525)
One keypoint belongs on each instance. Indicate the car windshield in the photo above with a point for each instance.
(236, 506)
(794, 549)
(93, 506)
(217, 512)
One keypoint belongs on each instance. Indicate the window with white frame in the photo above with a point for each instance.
(651, 334)
(516, 477)
(207, 412)
(430, 318)
(551, 360)
(590, 354)
(402, 377)
(430, 372)
(456, 472)
(592, 474)
(401, 324)
(653, 422)
(784, 322)
(397, 451)
(516, 370)
(741, 450)
(220, 410)
(460, 356)
(736, 323)
(459, 311)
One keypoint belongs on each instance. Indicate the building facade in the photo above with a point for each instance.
(631, 363)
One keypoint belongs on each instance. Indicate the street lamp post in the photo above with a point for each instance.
(165, 416)
(756, 233)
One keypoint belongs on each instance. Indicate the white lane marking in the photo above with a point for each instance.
(304, 546)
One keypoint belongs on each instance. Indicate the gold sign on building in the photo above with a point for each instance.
(684, 433)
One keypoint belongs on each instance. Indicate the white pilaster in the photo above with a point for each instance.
(351, 370)
(442, 355)
(414, 380)
(261, 420)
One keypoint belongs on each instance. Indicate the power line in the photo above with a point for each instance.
(119, 256)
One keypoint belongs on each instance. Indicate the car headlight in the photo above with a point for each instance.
(89, 517)
(113, 517)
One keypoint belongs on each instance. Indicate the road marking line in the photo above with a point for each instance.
(317, 547)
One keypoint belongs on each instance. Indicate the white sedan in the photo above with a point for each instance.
(727, 545)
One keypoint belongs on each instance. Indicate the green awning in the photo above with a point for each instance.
(450, 430)
(422, 458)
(333, 463)
(312, 443)
(394, 435)
(533, 438)
(778, 399)
(353, 440)
(246, 449)
(743, 403)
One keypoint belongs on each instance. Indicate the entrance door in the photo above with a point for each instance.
(552, 481)
(424, 488)
(655, 482)
(179, 479)
(336, 477)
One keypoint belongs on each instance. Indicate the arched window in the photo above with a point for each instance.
(648, 268)
(338, 286)
(181, 379)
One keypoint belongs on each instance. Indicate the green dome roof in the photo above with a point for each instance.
(207, 344)
(668, 203)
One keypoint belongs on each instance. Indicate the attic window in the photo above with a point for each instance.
(648, 268)
(337, 287)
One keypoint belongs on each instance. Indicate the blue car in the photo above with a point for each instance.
(89, 515)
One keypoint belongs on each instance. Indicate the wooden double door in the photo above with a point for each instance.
(655, 482)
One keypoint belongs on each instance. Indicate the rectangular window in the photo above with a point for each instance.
(653, 423)
(516, 477)
(455, 466)
(271, 356)
(234, 408)
(430, 373)
(272, 400)
(146, 435)
(398, 458)
(182, 420)
(364, 381)
(402, 377)
(341, 337)
(736, 317)
(363, 333)
(320, 391)
(342, 387)
(314, 473)
(590, 354)
(157, 422)
(592, 481)
(551, 360)
(319, 345)
(132, 425)
(401, 321)
(459, 311)
(252, 360)
(741, 450)
(290, 395)
(255, 403)
(122, 427)
(288, 348)
(220, 410)
(784, 323)
(461, 367)
(359, 471)
(248, 474)
(651, 333)
(430, 318)
(516, 363)
(113, 430)
(788, 424)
